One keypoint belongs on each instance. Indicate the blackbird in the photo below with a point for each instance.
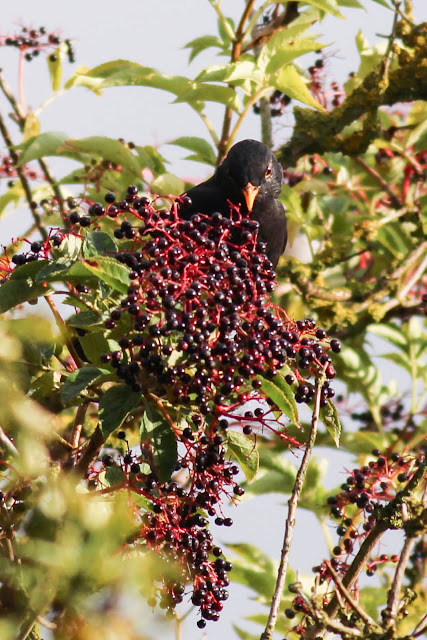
(250, 177)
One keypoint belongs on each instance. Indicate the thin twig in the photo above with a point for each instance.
(21, 123)
(290, 520)
(397, 204)
(394, 592)
(25, 184)
(387, 56)
(161, 407)
(351, 601)
(64, 331)
(77, 427)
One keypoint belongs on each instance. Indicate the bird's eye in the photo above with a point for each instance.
(268, 171)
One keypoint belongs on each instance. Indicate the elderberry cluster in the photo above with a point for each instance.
(196, 323)
(278, 103)
(175, 526)
(34, 41)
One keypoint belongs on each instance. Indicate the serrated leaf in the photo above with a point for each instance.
(200, 44)
(330, 419)
(204, 92)
(284, 44)
(106, 148)
(168, 184)
(28, 270)
(280, 392)
(84, 319)
(244, 451)
(120, 73)
(113, 475)
(107, 269)
(292, 50)
(157, 432)
(46, 144)
(94, 345)
(98, 242)
(114, 406)
(51, 272)
(151, 159)
(233, 72)
(200, 146)
(70, 247)
(290, 82)
(79, 380)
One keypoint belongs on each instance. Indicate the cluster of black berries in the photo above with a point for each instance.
(175, 526)
(278, 103)
(38, 250)
(33, 41)
(196, 323)
(365, 491)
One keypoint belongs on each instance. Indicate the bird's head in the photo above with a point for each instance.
(250, 171)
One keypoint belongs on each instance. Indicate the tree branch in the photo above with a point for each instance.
(290, 520)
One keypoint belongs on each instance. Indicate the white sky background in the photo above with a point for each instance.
(152, 33)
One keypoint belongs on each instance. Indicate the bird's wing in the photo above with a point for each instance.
(206, 198)
(272, 227)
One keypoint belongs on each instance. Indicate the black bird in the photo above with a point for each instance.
(251, 177)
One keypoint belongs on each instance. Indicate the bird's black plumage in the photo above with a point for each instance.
(250, 177)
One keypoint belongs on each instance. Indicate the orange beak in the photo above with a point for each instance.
(250, 193)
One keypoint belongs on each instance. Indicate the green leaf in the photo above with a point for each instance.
(353, 4)
(52, 272)
(107, 269)
(330, 6)
(291, 51)
(233, 72)
(383, 3)
(168, 184)
(114, 475)
(156, 432)
(285, 44)
(401, 359)
(200, 146)
(244, 635)
(94, 345)
(70, 247)
(106, 148)
(46, 144)
(120, 73)
(200, 44)
(151, 159)
(244, 451)
(54, 63)
(114, 406)
(12, 196)
(291, 82)
(84, 319)
(202, 92)
(79, 380)
(280, 392)
(98, 242)
(253, 568)
(391, 333)
(330, 419)
(392, 238)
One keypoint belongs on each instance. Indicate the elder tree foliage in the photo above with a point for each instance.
(176, 370)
